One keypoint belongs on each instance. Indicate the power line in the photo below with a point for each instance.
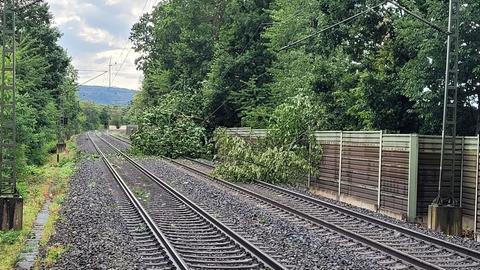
(128, 52)
(127, 45)
(93, 78)
(90, 70)
(436, 27)
(369, 9)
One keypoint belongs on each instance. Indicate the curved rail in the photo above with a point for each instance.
(377, 221)
(406, 244)
(437, 253)
(239, 241)
(170, 254)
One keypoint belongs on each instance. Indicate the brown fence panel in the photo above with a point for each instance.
(395, 173)
(428, 171)
(355, 164)
(328, 171)
(360, 165)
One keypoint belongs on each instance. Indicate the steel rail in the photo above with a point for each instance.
(379, 246)
(260, 255)
(420, 236)
(174, 257)
(125, 140)
(389, 225)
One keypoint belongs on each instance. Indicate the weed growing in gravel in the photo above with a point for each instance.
(141, 228)
(141, 194)
(92, 184)
(53, 254)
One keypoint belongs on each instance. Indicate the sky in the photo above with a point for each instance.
(95, 31)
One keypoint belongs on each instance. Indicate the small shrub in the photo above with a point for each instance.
(53, 254)
(288, 152)
(9, 238)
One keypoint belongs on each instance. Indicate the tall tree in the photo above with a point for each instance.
(176, 42)
(238, 74)
(382, 71)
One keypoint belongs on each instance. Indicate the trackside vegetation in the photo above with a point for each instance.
(44, 77)
(41, 183)
(289, 152)
(219, 63)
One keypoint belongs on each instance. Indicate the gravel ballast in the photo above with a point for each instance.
(295, 244)
(90, 228)
(462, 241)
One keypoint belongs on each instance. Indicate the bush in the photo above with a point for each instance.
(288, 152)
(170, 130)
(243, 162)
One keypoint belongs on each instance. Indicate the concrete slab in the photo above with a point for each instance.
(11, 213)
(445, 218)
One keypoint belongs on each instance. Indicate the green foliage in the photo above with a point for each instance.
(288, 153)
(381, 71)
(45, 79)
(169, 129)
(95, 116)
(238, 72)
(53, 254)
(242, 162)
(8, 238)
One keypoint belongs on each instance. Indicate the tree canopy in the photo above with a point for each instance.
(382, 71)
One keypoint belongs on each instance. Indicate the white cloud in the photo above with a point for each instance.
(97, 35)
(92, 37)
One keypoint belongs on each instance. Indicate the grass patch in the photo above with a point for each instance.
(53, 254)
(141, 194)
(38, 184)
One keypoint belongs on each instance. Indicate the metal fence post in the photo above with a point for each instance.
(380, 146)
(461, 171)
(475, 215)
(412, 178)
(340, 166)
(309, 180)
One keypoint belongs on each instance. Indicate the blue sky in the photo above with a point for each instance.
(95, 31)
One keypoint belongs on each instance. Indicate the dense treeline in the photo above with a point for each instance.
(95, 116)
(45, 79)
(222, 60)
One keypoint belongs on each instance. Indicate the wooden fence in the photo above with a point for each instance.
(394, 173)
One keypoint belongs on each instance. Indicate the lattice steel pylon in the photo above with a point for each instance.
(8, 132)
(450, 104)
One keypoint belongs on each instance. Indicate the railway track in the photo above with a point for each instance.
(154, 249)
(436, 253)
(391, 245)
(200, 241)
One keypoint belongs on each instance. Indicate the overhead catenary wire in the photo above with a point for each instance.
(411, 13)
(351, 18)
(103, 73)
(293, 43)
(329, 27)
(316, 33)
(126, 47)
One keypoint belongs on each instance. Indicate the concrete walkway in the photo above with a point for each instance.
(30, 252)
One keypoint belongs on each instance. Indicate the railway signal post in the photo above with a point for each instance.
(11, 203)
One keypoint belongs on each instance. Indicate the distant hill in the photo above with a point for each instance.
(106, 96)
